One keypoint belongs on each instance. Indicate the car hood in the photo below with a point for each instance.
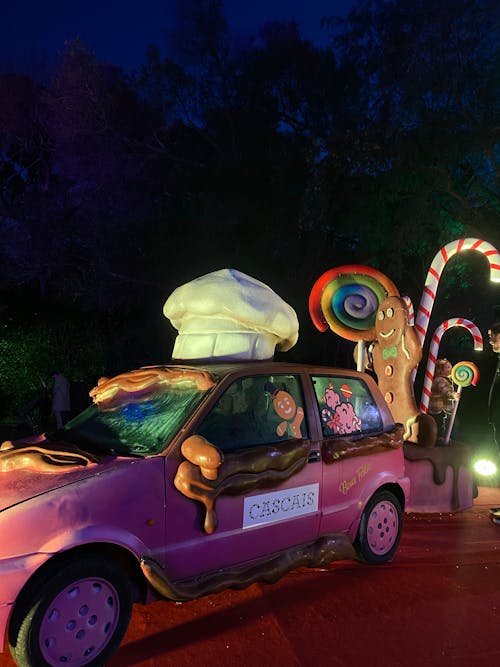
(33, 467)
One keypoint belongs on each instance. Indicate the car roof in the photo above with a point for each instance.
(219, 370)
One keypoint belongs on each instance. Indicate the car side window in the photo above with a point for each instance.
(256, 410)
(345, 406)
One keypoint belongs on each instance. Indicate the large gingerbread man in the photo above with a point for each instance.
(396, 352)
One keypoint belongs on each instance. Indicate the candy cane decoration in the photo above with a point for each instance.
(411, 322)
(433, 352)
(411, 312)
(437, 266)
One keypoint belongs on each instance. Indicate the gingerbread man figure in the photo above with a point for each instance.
(285, 407)
(396, 352)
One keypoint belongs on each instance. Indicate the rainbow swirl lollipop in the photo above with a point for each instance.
(465, 373)
(346, 300)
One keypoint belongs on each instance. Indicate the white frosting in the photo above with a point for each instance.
(228, 315)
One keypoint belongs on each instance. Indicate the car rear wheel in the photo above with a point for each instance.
(379, 530)
(77, 615)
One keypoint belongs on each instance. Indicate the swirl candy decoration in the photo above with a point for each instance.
(346, 300)
(465, 373)
(433, 352)
(434, 275)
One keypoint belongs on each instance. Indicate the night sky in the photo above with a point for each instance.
(32, 33)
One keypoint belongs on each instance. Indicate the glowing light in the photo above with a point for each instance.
(485, 467)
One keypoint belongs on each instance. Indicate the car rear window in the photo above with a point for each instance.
(346, 406)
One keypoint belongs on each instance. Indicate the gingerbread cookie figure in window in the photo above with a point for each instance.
(285, 407)
(396, 352)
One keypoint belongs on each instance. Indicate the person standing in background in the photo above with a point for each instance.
(61, 403)
(443, 395)
(494, 395)
(494, 402)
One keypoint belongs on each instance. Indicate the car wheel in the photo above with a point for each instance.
(76, 615)
(379, 530)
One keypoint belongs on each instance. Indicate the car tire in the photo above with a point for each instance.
(77, 614)
(379, 530)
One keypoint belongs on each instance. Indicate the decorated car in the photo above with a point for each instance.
(218, 470)
(182, 480)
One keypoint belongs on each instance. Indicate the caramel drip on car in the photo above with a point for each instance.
(112, 392)
(208, 472)
(40, 459)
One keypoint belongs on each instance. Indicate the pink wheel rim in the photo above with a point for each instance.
(382, 527)
(79, 622)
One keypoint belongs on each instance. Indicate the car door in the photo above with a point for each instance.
(350, 420)
(262, 497)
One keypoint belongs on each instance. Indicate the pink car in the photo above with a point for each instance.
(181, 481)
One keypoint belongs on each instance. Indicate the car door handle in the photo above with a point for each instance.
(314, 457)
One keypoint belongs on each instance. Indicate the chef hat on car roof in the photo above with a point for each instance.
(227, 315)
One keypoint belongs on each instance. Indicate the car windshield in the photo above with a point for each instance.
(138, 414)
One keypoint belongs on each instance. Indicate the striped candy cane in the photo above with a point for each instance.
(434, 274)
(433, 352)
(411, 322)
(411, 312)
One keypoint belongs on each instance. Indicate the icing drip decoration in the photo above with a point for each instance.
(133, 386)
(207, 472)
(40, 459)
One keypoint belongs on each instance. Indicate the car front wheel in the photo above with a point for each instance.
(77, 615)
(380, 528)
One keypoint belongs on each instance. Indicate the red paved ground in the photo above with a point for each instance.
(437, 603)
